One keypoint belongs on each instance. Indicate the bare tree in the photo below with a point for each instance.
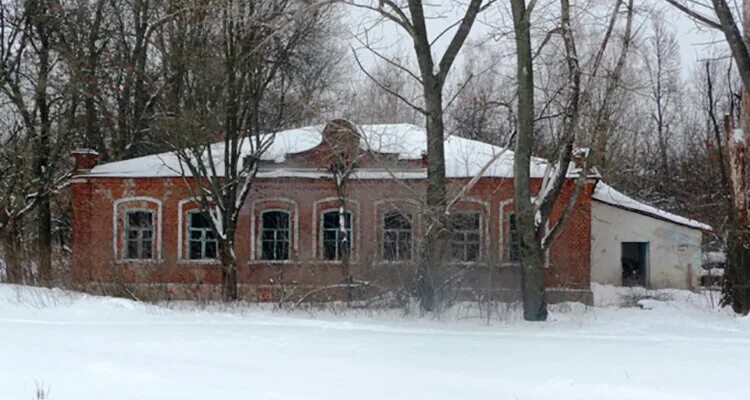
(412, 20)
(533, 215)
(235, 71)
(27, 75)
(736, 288)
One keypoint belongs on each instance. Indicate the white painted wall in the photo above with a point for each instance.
(674, 250)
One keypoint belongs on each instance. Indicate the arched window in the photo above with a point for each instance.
(275, 235)
(336, 242)
(138, 235)
(202, 243)
(466, 236)
(397, 236)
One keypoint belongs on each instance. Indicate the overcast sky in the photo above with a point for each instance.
(696, 42)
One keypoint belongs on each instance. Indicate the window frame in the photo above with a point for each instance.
(506, 207)
(383, 230)
(479, 230)
(124, 247)
(321, 235)
(509, 240)
(203, 239)
(259, 256)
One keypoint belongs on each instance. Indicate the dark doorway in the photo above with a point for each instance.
(634, 263)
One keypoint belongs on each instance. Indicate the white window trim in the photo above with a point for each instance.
(484, 227)
(318, 215)
(482, 236)
(379, 215)
(183, 258)
(258, 243)
(255, 254)
(116, 216)
(382, 238)
(124, 241)
(187, 240)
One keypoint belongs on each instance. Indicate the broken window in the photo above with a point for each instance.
(139, 234)
(274, 235)
(336, 241)
(397, 236)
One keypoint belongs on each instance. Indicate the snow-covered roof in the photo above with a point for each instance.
(607, 194)
(464, 157)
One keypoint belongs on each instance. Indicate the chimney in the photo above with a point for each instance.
(342, 137)
(85, 159)
(579, 156)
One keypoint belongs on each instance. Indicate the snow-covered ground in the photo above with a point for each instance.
(82, 347)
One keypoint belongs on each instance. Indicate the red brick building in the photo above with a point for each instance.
(135, 225)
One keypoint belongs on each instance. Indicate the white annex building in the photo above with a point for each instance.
(634, 244)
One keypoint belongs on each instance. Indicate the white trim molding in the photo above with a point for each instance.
(317, 215)
(181, 226)
(377, 217)
(255, 242)
(116, 227)
(484, 225)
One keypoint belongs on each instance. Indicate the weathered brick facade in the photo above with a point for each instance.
(99, 202)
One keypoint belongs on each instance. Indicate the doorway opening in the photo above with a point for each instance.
(634, 264)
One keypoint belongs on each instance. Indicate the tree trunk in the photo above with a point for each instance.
(228, 270)
(736, 283)
(532, 283)
(531, 252)
(42, 149)
(12, 249)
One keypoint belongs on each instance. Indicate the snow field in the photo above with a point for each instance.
(86, 347)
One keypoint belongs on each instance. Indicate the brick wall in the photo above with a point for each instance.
(98, 204)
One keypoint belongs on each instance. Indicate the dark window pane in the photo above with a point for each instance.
(210, 250)
(195, 250)
(283, 251)
(147, 249)
(267, 235)
(390, 251)
(404, 250)
(133, 234)
(396, 220)
(330, 235)
(198, 220)
(472, 252)
(513, 240)
(147, 234)
(329, 249)
(390, 236)
(472, 237)
(139, 219)
(131, 249)
(275, 220)
(331, 220)
(465, 221)
(195, 234)
(267, 250)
